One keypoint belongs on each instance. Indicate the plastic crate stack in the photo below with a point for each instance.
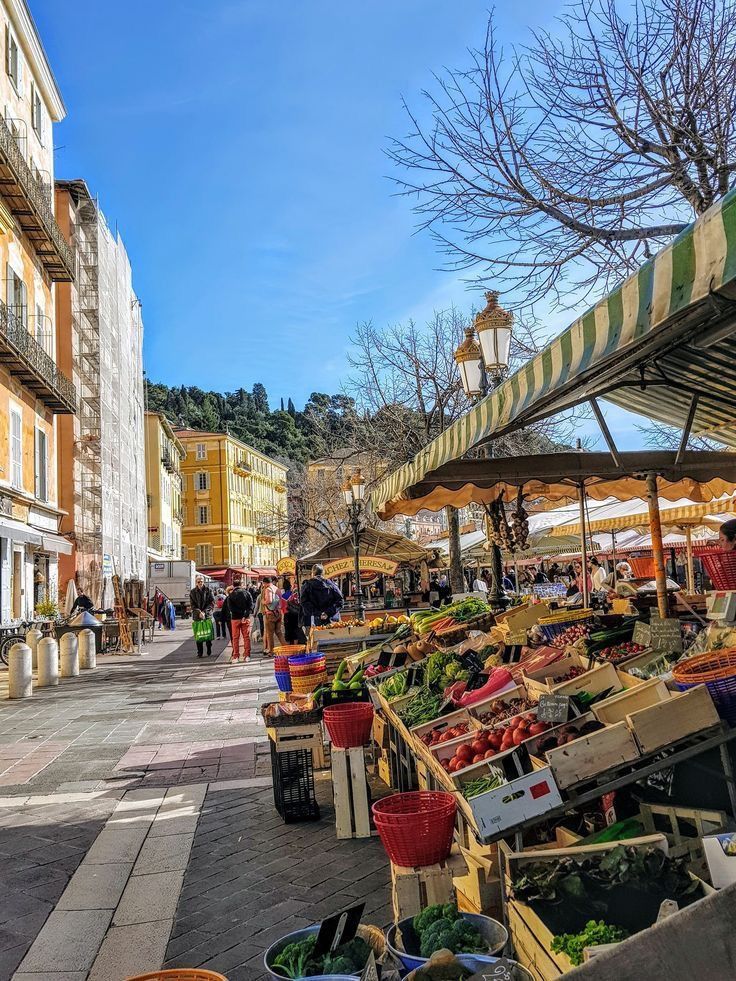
(281, 672)
(307, 672)
(293, 784)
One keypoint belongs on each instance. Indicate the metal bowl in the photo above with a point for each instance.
(275, 949)
(494, 933)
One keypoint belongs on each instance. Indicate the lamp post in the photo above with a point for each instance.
(353, 491)
(482, 365)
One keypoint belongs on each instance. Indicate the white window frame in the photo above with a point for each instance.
(15, 447)
(41, 464)
(12, 59)
(201, 451)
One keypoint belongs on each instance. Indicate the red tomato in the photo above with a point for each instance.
(464, 752)
(455, 764)
(507, 742)
(444, 737)
(537, 727)
(495, 739)
(479, 746)
(478, 758)
(519, 737)
(489, 754)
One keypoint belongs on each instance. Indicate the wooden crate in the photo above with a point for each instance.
(383, 766)
(617, 707)
(350, 790)
(287, 738)
(587, 756)
(596, 680)
(413, 889)
(543, 680)
(380, 731)
(684, 828)
(479, 889)
(681, 715)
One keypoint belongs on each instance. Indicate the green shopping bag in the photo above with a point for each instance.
(203, 630)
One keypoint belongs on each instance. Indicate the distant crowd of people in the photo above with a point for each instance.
(279, 614)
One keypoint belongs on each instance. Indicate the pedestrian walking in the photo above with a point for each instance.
(273, 623)
(219, 625)
(290, 610)
(203, 603)
(320, 599)
(240, 604)
(226, 615)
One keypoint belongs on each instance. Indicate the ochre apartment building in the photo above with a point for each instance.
(234, 503)
(164, 455)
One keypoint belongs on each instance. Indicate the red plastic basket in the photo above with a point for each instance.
(416, 828)
(349, 724)
(721, 568)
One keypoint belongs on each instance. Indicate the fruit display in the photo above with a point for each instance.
(573, 633)
(499, 710)
(345, 622)
(620, 652)
(567, 734)
(487, 743)
(574, 672)
(441, 734)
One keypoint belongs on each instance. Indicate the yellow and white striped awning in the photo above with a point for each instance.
(664, 336)
(622, 515)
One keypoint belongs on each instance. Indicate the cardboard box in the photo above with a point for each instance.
(722, 866)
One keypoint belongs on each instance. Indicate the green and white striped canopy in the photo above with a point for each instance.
(665, 335)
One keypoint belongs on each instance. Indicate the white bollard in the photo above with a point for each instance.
(69, 656)
(87, 650)
(20, 676)
(32, 638)
(48, 662)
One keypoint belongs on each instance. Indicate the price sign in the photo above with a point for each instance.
(392, 659)
(642, 634)
(499, 970)
(370, 971)
(553, 708)
(665, 635)
(338, 929)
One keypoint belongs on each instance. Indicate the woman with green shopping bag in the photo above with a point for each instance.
(203, 603)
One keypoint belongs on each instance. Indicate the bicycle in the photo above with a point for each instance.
(13, 634)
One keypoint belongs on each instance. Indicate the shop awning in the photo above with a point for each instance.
(373, 542)
(661, 339)
(261, 571)
(18, 532)
(620, 515)
(56, 543)
(701, 477)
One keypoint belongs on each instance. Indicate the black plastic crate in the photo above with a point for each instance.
(329, 698)
(293, 785)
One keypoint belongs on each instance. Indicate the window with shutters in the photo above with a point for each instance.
(36, 113)
(17, 296)
(202, 481)
(42, 457)
(203, 554)
(12, 59)
(201, 451)
(16, 447)
(203, 514)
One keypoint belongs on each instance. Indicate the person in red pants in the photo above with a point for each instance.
(240, 605)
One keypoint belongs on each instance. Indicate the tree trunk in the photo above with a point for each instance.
(457, 580)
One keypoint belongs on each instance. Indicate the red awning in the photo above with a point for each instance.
(261, 572)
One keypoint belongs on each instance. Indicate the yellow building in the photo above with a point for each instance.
(234, 498)
(34, 386)
(164, 455)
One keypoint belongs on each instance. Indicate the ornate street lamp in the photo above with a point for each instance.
(353, 492)
(482, 368)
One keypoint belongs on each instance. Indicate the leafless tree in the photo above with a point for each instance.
(660, 436)
(558, 167)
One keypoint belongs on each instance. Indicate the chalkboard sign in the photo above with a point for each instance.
(392, 659)
(665, 635)
(370, 971)
(642, 634)
(498, 970)
(553, 708)
(338, 929)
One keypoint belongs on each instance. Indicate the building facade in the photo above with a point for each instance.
(234, 502)
(102, 484)
(164, 455)
(35, 391)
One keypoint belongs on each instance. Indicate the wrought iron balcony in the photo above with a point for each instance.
(167, 460)
(27, 361)
(30, 201)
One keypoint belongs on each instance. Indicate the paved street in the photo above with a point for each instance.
(137, 825)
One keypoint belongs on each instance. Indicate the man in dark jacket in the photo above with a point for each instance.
(320, 598)
(240, 606)
(202, 602)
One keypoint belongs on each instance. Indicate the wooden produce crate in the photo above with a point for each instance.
(444, 722)
(518, 691)
(380, 731)
(617, 707)
(530, 936)
(350, 791)
(681, 715)
(287, 738)
(587, 756)
(413, 889)
(598, 679)
(383, 767)
(479, 889)
(542, 681)
(684, 828)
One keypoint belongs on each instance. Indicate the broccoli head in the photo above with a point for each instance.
(294, 958)
(356, 951)
(338, 964)
(431, 914)
(437, 936)
(465, 938)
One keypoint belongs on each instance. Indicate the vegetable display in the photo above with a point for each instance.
(395, 686)
(574, 633)
(423, 707)
(441, 734)
(355, 683)
(567, 734)
(486, 744)
(596, 932)
(297, 960)
(442, 670)
(620, 652)
(442, 927)
(449, 617)
(481, 785)
(499, 710)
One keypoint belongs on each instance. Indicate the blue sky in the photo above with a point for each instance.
(239, 145)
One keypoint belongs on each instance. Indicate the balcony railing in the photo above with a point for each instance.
(27, 361)
(30, 201)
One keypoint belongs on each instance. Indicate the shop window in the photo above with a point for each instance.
(42, 457)
(16, 447)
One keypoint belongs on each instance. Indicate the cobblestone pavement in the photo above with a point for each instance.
(138, 824)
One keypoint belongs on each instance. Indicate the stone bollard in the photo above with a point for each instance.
(20, 677)
(69, 656)
(87, 650)
(48, 662)
(32, 638)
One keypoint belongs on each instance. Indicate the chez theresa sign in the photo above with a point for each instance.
(368, 563)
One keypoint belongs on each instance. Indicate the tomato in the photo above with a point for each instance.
(489, 753)
(536, 728)
(507, 742)
(519, 737)
(513, 723)
(495, 739)
(478, 758)
(464, 752)
(479, 746)
(446, 764)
